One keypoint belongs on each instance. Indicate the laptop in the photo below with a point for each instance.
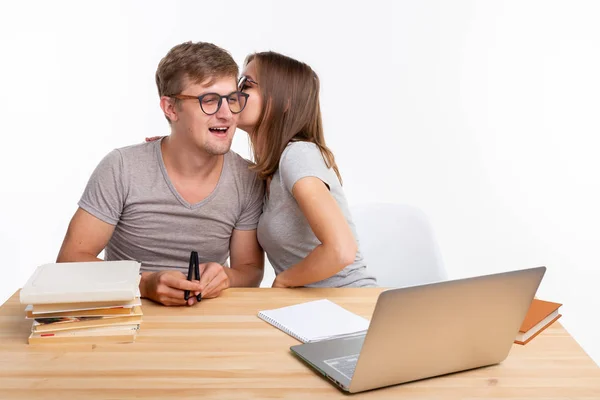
(424, 331)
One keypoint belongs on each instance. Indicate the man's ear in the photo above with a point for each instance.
(168, 105)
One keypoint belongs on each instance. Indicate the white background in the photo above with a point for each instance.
(484, 114)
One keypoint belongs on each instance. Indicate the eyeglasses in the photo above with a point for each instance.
(242, 82)
(210, 103)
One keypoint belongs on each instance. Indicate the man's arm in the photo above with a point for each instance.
(246, 256)
(86, 237)
(247, 259)
(100, 209)
(247, 266)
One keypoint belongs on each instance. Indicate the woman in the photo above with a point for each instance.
(306, 228)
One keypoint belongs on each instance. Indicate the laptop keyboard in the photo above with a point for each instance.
(344, 365)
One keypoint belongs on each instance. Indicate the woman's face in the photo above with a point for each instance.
(248, 84)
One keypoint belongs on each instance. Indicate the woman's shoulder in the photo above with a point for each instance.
(300, 152)
(301, 145)
(303, 159)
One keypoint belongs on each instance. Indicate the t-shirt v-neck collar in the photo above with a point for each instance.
(169, 183)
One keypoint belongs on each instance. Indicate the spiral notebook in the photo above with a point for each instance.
(315, 320)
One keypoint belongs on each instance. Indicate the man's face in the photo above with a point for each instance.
(211, 133)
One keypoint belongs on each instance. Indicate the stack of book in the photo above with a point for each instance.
(83, 302)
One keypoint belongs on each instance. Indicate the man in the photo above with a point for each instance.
(156, 202)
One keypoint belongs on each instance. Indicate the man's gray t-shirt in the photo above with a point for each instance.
(283, 230)
(130, 188)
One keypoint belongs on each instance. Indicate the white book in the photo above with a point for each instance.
(41, 309)
(116, 334)
(97, 331)
(82, 282)
(315, 320)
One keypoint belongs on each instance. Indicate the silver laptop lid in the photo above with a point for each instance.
(423, 331)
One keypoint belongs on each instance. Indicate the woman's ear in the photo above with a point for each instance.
(288, 104)
(168, 105)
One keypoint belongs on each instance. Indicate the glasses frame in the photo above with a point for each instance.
(199, 98)
(243, 79)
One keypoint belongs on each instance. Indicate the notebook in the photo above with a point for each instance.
(315, 320)
(74, 282)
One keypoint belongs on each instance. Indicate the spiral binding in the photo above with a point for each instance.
(276, 324)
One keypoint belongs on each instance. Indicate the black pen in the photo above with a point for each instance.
(197, 269)
(186, 295)
(193, 269)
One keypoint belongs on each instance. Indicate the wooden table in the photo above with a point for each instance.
(220, 349)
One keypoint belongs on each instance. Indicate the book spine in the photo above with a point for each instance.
(281, 327)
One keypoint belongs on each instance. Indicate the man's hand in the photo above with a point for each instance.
(153, 138)
(168, 288)
(213, 279)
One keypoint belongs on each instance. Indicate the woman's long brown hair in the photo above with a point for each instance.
(290, 111)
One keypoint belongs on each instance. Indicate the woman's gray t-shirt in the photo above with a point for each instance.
(283, 230)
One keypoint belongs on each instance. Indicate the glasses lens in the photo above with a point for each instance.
(210, 103)
(237, 102)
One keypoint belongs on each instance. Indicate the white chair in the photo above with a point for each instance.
(398, 244)
(269, 275)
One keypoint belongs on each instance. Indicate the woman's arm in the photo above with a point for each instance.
(338, 246)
